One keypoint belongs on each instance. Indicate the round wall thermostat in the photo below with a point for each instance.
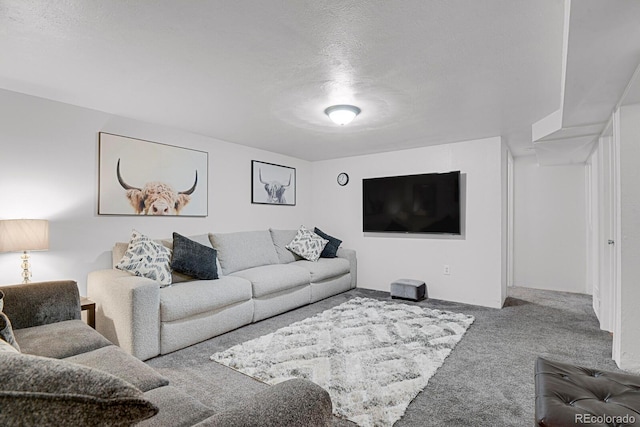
(343, 179)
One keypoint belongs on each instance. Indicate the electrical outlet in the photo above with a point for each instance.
(446, 271)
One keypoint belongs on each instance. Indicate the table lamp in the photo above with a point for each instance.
(23, 235)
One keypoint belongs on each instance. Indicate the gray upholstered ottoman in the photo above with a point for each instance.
(414, 290)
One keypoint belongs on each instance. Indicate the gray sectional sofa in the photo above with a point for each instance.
(67, 374)
(259, 278)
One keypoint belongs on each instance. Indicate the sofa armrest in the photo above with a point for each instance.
(350, 255)
(294, 402)
(127, 310)
(41, 303)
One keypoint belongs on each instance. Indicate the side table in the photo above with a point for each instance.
(90, 307)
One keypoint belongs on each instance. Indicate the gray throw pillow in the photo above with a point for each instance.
(6, 331)
(193, 259)
(49, 392)
(5, 346)
(203, 239)
(331, 249)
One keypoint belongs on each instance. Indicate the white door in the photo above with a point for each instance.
(593, 227)
(607, 224)
(613, 242)
(510, 219)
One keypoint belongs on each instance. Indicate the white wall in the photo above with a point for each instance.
(475, 259)
(49, 170)
(550, 226)
(628, 337)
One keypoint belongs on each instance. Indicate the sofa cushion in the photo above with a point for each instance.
(176, 408)
(48, 392)
(115, 361)
(331, 249)
(147, 258)
(281, 238)
(307, 244)
(324, 268)
(245, 249)
(41, 303)
(294, 402)
(201, 296)
(60, 340)
(118, 251)
(193, 259)
(269, 279)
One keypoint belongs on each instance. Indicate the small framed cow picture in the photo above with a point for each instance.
(138, 177)
(272, 184)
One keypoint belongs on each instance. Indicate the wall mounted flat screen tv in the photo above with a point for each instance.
(426, 203)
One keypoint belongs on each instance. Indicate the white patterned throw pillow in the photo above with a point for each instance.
(307, 244)
(146, 258)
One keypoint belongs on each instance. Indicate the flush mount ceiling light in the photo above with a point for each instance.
(342, 114)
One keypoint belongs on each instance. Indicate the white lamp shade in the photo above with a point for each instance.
(17, 235)
(342, 114)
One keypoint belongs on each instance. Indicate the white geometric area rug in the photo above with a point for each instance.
(373, 357)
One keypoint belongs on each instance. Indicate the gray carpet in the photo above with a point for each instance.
(486, 381)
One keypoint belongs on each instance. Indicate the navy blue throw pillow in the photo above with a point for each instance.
(193, 259)
(331, 249)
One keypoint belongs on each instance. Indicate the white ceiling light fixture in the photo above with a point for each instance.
(342, 114)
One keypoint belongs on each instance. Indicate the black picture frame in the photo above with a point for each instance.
(272, 184)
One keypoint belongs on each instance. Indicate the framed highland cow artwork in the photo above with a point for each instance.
(272, 184)
(138, 177)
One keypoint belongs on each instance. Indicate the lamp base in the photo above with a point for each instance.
(26, 267)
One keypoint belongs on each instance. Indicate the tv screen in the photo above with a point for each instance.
(426, 203)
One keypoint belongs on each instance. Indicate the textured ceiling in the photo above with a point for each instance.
(261, 73)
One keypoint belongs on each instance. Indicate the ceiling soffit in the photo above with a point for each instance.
(600, 57)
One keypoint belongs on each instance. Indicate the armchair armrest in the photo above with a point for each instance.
(127, 310)
(350, 255)
(294, 402)
(41, 303)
